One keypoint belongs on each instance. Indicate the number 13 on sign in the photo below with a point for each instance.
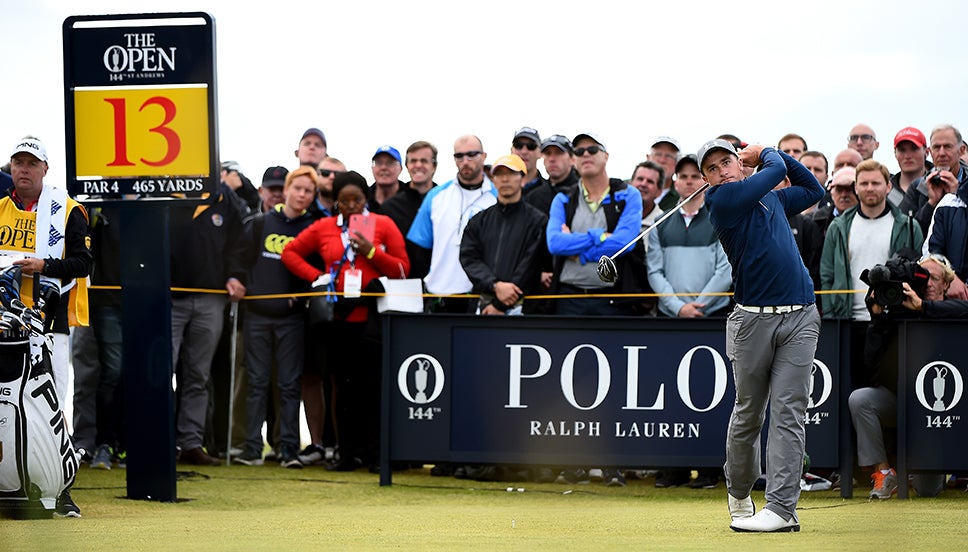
(124, 131)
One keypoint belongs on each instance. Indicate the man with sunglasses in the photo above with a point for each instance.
(598, 217)
(772, 333)
(525, 145)
(440, 222)
(327, 170)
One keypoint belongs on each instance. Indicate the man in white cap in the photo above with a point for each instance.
(666, 152)
(50, 236)
(772, 333)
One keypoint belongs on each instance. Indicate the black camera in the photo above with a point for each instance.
(887, 280)
(936, 179)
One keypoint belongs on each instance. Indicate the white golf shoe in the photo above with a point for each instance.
(765, 521)
(740, 508)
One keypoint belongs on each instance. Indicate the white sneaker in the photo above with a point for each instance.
(765, 521)
(740, 508)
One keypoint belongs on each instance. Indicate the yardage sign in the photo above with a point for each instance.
(139, 96)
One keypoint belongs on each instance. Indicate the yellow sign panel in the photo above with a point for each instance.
(122, 132)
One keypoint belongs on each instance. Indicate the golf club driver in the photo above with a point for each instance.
(607, 271)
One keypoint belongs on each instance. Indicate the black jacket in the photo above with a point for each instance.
(207, 243)
(106, 249)
(267, 234)
(544, 193)
(809, 240)
(402, 208)
(916, 200)
(505, 242)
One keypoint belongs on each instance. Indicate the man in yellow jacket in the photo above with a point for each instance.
(44, 231)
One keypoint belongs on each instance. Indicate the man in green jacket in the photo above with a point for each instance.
(865, 235)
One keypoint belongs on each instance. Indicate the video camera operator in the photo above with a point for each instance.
(873, 402)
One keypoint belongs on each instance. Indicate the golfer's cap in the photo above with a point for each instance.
(712, 145)
(32, 146)
(512, 162)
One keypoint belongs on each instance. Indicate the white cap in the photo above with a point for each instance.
(32, 146)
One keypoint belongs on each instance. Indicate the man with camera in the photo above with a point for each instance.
(949, 173)
(863, 236)
(873, 404)
(948, 189)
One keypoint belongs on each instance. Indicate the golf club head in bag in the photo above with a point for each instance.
(10, 285)
(10, 278)
(47, 298)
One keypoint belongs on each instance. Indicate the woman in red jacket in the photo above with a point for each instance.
(353, 260)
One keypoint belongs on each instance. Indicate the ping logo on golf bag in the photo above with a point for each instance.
(5, 392)
(945, 384)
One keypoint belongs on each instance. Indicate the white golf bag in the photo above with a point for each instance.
(37, 457)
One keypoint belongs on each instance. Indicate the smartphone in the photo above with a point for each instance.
(364, 225)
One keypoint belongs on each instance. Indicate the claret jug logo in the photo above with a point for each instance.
(939, 386)
(821, 383)
(416, 374)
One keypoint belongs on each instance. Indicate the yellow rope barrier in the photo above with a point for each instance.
(461, 295)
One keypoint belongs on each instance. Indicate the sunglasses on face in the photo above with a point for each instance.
(326, 173)
(531, 146)
(860, 138)
(467, 154)
(592, 150)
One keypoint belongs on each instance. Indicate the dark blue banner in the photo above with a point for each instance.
(561, 391)
(931, 400)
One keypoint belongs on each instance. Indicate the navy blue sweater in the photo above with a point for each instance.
(750, 219)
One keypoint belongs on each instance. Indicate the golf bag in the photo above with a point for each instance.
(37, 457)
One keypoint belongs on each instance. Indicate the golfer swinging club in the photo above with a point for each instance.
(771, 335)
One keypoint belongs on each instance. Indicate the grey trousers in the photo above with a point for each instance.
(196, 324)
(772, 355)
(86, 370)
(871, 410)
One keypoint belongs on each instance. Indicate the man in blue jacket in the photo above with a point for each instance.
(771, 335)
(598, 217)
